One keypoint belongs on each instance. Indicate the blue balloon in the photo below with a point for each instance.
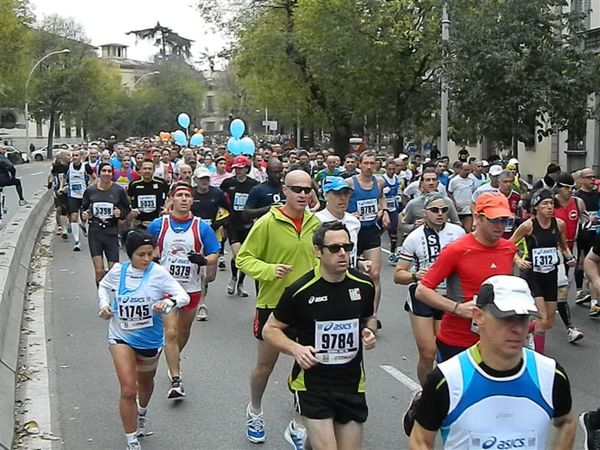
(235, 146)
(180, 138)
(248, 146)
(183, 120)
(196, 140)
(237, 128)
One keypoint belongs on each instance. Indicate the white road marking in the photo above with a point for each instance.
(385, 250)
(36, 173)
(404, 379)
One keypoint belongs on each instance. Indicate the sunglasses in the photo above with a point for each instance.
(335, 248)
(499, 220)
(437, 210)
(298, 189)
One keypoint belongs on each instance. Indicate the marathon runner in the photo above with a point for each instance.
(59, 169)
(125, 174)
(267, 194)
(148, 196)
(103, 204)
(419, 250)
(91, 163)
(185, 245)
(76, 181)
(8, 175)
(544, 236)
(369, 205)
(237, 190)
(135, 331)
(278, 251)
(332, 310)
(391, 191)
(497, 394)
(460, 190)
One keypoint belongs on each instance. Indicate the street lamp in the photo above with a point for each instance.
(149, 74)
(444, 87)
(64, 50)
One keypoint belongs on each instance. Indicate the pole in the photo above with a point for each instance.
(444, 105)
(64, 50)
(298, 137)
(266, 121)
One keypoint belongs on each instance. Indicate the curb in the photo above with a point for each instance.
(17, 243)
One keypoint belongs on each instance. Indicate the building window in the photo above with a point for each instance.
(210, 107)
(209, 126)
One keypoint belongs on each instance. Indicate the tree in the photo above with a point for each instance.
(168, 42)
(517, 70)
(15, 18)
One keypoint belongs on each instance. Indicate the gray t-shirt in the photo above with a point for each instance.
(414, 211)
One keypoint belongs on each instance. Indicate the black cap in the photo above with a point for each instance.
(565, 179)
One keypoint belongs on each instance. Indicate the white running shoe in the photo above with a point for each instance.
(142, 427)
(574, 335)
(202, 315)
(295, 435)
(231, 286)
(241, 292)
(135, 445)
(77, 247)
(255, 426)
(176, 392)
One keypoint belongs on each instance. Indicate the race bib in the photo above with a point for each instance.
(367, 209)
(391, 204)
(134, 314)
(103, 210)
(336, 341)
(147, 203)
(76, 189)
(493, 441)
(239, 201)
(544, 259)
(181, 272)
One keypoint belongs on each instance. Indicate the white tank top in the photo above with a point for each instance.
(77, 182)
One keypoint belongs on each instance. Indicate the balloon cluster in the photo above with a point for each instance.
(180, 137)
(236, 144)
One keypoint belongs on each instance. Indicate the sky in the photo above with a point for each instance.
(107, 21)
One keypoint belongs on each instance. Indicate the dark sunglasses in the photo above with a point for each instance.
(499, 220)
(335, 248)
(297, 189)
(437, 210)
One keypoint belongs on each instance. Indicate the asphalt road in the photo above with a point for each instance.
(33, 178)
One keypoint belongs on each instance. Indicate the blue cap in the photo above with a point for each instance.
(335, 184)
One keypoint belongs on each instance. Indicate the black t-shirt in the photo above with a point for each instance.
(149, 197)
(237, 194)
(102, 204)
(265, 194)
(206, 206)
(312, 302)
(433, 406)
(590, 199)
(58, 172)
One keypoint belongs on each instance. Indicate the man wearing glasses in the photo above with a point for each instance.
(332, 309)
(277, 251)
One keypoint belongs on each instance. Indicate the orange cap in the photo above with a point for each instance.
(493, 205)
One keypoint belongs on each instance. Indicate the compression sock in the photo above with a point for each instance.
(234, 269)
(75, 231)
(579, 278)
(241, 277)
(539, 340)
(565, 313)
(393, 244)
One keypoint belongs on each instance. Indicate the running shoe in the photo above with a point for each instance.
(142, 426)
(255, 426)
(231, 286)
(65, 236)
(408, 420)
(241, 292)
(69, 228)
(583, 297)
(77, 247)
(135, 445)
(295, 435)
(59, 231)
(176, 391)
(222, 265)
(595, 310)
(84, 228)
(574, 335)
(202, 314)
(590, 424)
(23, 202)
(393, 259)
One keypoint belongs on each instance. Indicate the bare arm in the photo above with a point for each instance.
(564, 435)
(562, 243)
(591, 267)
(421, 439)
(273, 334)
(432, 298)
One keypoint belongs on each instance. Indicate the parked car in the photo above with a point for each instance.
(41, 153)
(15, 155)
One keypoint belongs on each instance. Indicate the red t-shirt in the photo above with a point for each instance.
(465, 264)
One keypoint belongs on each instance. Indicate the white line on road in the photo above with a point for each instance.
(36, 173)
(404, 379)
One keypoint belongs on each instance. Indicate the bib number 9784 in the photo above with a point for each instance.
(336, 341)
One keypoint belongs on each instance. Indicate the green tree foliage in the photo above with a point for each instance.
(168, 42)
(517, 70)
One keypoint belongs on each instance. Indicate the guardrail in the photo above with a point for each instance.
(17, 243)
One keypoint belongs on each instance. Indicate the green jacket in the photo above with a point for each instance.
(273, 240)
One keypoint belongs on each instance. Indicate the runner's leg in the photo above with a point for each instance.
(348, 435)
(321, 433)
(265, 362)
(424, 333)
(125, 366)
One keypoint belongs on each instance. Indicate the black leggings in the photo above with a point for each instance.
(16, 182)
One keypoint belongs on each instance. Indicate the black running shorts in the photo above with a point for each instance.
(342, 407)
(104, 244)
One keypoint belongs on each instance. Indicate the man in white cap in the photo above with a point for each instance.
(503, 395)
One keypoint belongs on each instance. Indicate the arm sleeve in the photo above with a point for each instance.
(85, 202)
(407, 251)
(248, 259)
(441, 268)
(154, 228)
(433, 406)
(124, 203)
(252, 201)
(172, 288)
(108, 285)
(561, 392)
(210, 242)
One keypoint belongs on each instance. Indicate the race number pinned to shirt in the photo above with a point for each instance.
(367, 209)
(336, 341)
(134, 313)
(544, 259)
(103, 210)
(147, 203)
(179, 266)
(239, 201)
(76, 189)
(391, 203)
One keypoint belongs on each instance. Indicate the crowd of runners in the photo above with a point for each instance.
(488, 260)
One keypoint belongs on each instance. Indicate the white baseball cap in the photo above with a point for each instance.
(506, 296)
(495, 170)
(201, 172)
